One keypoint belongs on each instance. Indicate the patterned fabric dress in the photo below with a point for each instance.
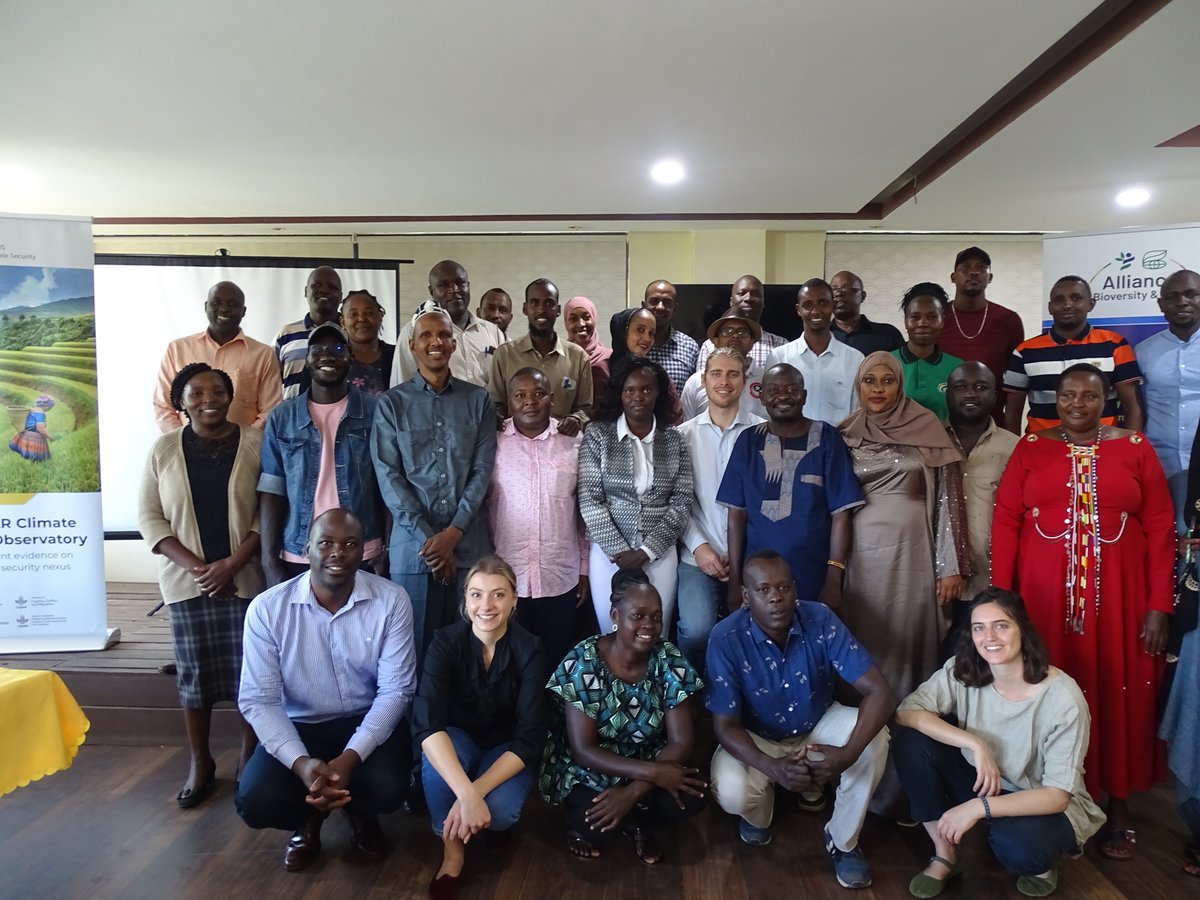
(630, 718)
(30, 442)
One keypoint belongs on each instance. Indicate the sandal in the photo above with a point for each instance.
(926, 886)
(1118, 844)
(644, 845)
(581, 848)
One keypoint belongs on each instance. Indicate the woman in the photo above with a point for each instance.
(198, 509)
(621, 761)
(480, 718)
(1085, 531)
(633, 333)
(1014, 759)
(33, 440)
(370, 358)
(926, 368)
(581, 317)
(913, 527)
(635, 484)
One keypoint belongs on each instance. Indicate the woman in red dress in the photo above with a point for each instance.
(1085, 530)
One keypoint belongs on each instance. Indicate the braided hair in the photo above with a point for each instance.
(186, 374)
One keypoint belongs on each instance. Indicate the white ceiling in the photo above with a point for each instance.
(475, 108)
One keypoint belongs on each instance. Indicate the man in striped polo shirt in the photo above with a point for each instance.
(323, 291)
(1035, 365)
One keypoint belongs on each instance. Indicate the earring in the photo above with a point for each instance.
(614, 628)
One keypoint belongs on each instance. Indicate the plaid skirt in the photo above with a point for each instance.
(207, 634)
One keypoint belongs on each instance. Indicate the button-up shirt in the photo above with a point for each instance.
(981, 476)
(301, 663)
(1171, 368)
(566, 366)
(759, 353)
(250, 364)
(471, 360)
(677, 356)
(828, 377)
(709, 447)
(776, 693)
(533, 510)
(433, 453)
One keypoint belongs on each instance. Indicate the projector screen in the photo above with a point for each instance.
(144, 302)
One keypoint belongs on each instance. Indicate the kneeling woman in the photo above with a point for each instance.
(1015, 759)
(620, 760)
(480, 717)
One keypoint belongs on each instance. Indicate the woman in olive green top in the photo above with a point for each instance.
(926, 368)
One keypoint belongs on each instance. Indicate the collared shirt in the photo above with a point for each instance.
(709, 447)
(759, 353)
(301, 663)
(433, 454)
(776, 693)
(566, 366)
(695, 400)
(1172, 389)
(870, 337)
(643, 454)
(250, 364)
(472, 358)
(291, 351)
(1036, 364)
(925, 379)
(981, 476)
(533, 510)
(677, 356)
(828, 377)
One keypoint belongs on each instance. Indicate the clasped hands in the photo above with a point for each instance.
(811, 766)
(327, 783)
(438, 553)
(612, 805)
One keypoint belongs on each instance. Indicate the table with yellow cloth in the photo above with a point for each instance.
(41, 727)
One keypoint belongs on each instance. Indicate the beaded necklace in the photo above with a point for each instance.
(1083, 531)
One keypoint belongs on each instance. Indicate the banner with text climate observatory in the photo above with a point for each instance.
(51, 537)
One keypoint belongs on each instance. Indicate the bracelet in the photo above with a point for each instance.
(987, 810)
(836, 564)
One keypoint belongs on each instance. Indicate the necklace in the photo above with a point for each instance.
(969, 337)
(1083, 530)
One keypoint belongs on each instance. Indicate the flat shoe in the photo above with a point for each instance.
(445, 887)
(189, 797)
(926, 886)
(304, 846)
(1038, 885)
(366, 835)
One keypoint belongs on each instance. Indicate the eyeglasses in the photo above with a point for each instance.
(842, 292)
(338, 349)
(731, 332)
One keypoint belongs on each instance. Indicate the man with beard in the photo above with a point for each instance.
(746, 298)
(323, 291)
(851, 326)
(495, 306)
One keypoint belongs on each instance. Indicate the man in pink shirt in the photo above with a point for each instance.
(223, 345)
(534, 515)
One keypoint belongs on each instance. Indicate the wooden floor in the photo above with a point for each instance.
(109, 828)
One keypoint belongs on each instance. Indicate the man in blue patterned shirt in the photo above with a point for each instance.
(771, 674)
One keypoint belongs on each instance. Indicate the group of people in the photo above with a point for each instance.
(379, 554)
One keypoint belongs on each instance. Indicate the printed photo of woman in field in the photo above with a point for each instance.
(33, 440)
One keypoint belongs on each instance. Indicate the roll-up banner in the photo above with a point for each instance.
(52, 594)
(1125, 269)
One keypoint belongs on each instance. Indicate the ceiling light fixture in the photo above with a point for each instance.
(667, 171)
(17, 178)
(1134, 196)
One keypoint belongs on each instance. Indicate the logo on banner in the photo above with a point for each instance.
(1115, 286)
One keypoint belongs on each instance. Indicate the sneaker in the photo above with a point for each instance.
(753, 835)
(850, 866)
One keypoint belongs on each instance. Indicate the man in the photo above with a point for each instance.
(1036, 364)
(851, 326)
(534, 513)
(475, 339)
(495, 306)
(710, 437)
(735, 332)
(564, 363)
(314, 458)
(985, 447)
(323, 291)
(673, 350)
(1170, 362)
(976, 328)
(790, 487)
(746, 297)
(772, 666)
(829, 367)
(434, 445)
(328, 671)
(223, 345)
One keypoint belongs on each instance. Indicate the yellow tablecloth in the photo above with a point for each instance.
(41, 727)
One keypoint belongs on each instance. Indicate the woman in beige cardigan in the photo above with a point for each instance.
(198, 509)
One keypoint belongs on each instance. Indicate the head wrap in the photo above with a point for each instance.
(597, 353)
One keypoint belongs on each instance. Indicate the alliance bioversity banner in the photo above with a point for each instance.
(51, 537)
(1125, 269)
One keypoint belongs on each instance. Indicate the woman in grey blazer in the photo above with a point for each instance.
(635, 484)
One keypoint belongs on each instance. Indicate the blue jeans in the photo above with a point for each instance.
(699, 601)
(434, 605)
(504, 802)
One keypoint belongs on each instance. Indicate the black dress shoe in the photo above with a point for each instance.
(445, 887)
(366, 835)
(304, 846)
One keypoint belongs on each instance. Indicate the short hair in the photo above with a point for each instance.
(728, 353)
(350, 517)
(766, 556)
(786, 369)
(1077, 279)
(492, 564)
(495, 290)
(609, 407)
(361, 293)
(969, 666)
(542, 282)
(527, 372)
(926, 289)
(623, 580)
(815, 283)
(186, 374)
(1086, 368)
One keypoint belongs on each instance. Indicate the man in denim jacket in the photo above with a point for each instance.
(316, 456)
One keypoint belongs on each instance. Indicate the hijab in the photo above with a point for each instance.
(597, 353)
(619, 329)
(907, 424)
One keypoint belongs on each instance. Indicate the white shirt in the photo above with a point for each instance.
(471, 360)
(643, 454)
(695, 400)
(710, 448)
(828, 377)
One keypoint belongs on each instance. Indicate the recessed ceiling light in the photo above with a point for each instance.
(667, 171)
(1134, 196)
(17, 178)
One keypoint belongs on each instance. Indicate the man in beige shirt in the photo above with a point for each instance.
(223, 345)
